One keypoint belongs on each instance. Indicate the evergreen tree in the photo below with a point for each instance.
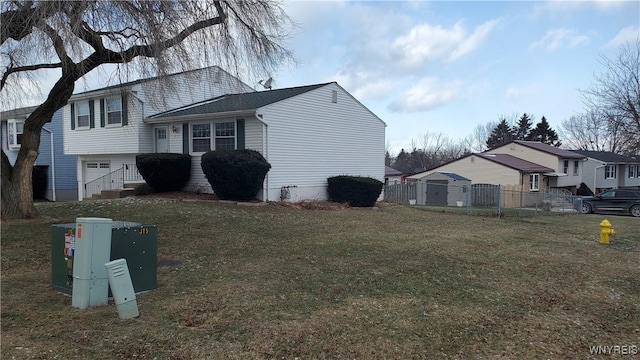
(544, 133)
(502, 134)
(387, 158)
(402, 161)
(523, 127)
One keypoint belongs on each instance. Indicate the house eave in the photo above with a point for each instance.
(197, 117)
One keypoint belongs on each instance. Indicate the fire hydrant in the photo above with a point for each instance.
(605, 231)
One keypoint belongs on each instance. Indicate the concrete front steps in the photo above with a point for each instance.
(128, 190)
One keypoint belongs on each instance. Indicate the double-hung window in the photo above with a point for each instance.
(534, 182)
(576, 165)
(225, 135)
(15, 130)
(200, 137)
(566, 167)
(610, 172)
(82, 114)
(114, 111)
(633, 171)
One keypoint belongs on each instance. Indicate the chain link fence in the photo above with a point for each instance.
(484, 198)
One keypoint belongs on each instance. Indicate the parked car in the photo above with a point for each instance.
(613, 200)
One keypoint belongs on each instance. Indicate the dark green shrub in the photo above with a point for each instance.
(142, 189)
(235, 174)
(39, 181)
(164, 171)
(356, 191)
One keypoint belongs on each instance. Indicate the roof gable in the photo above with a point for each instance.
(238, 102)
(549, 149)
(607, 156)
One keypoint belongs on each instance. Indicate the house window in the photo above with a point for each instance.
(610, 172)
(16, 129)
(576, 165)
(200, 137)
(534, 182)
(566, 167)
(633, 171)
(82, 114)
(114, 111)
(225, 135)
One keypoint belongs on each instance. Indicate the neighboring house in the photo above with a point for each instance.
(105, 127)
(60, 168)
(496, 169)
(392, 176)
(566, 166)
(606, 170)
(307, 134)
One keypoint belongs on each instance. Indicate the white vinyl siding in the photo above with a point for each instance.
(309, 139)
(481, 171)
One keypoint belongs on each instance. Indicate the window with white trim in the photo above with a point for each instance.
(114, 111)
(576, 166)
(633, 171)
(610, 172)
(225, 135)
(200, 137)
(82, 114)
(565, 169)
(534, 182)
(15, 130)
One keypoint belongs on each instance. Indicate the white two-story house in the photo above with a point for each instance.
(606, 170)
(105, 127)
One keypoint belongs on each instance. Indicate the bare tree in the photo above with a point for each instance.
(476, 142)
(591, 131)
(434, 149)
(75, 37)
(616, 94)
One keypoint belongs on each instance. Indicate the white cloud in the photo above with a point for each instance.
(514, 93)
(428, 94)
(629, 34)
(426, 42)
(557, 38)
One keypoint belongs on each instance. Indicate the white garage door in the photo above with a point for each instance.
(94, 170)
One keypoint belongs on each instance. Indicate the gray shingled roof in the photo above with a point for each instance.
(454, 176)
(238, 102)
(567, 154)
(516, 163)
(607, 157)
(389, 171)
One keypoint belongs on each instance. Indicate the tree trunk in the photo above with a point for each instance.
(17, 190)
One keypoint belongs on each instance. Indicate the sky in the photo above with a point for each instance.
(447, 66)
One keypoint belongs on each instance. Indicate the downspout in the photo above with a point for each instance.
(265, 152)
(53, 166)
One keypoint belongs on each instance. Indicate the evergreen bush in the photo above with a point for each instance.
(164, 171)
(356, 191)
(235, 174)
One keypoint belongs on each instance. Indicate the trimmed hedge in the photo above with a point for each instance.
(356, 191)
(164, 171)
(235, 174)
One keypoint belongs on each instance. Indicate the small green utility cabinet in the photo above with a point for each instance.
(135, 242)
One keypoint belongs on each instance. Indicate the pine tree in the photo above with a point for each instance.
(523, 127)
(502, 134)
(544, 133)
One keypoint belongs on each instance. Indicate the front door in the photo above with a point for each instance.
(161, 139)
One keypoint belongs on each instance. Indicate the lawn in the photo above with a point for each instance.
(394, 282)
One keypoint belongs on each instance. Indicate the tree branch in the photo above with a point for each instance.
(10, 71)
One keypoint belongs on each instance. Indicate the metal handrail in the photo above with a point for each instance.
(113, 180)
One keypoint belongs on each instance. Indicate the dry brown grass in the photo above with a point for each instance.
(281, 282)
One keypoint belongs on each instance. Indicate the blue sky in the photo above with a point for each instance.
(447, 66)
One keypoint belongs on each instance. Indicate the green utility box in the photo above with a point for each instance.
(135, 242)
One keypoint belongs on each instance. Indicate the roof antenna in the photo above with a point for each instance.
(266, 84)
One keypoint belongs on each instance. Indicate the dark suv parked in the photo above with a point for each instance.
(613, 200)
